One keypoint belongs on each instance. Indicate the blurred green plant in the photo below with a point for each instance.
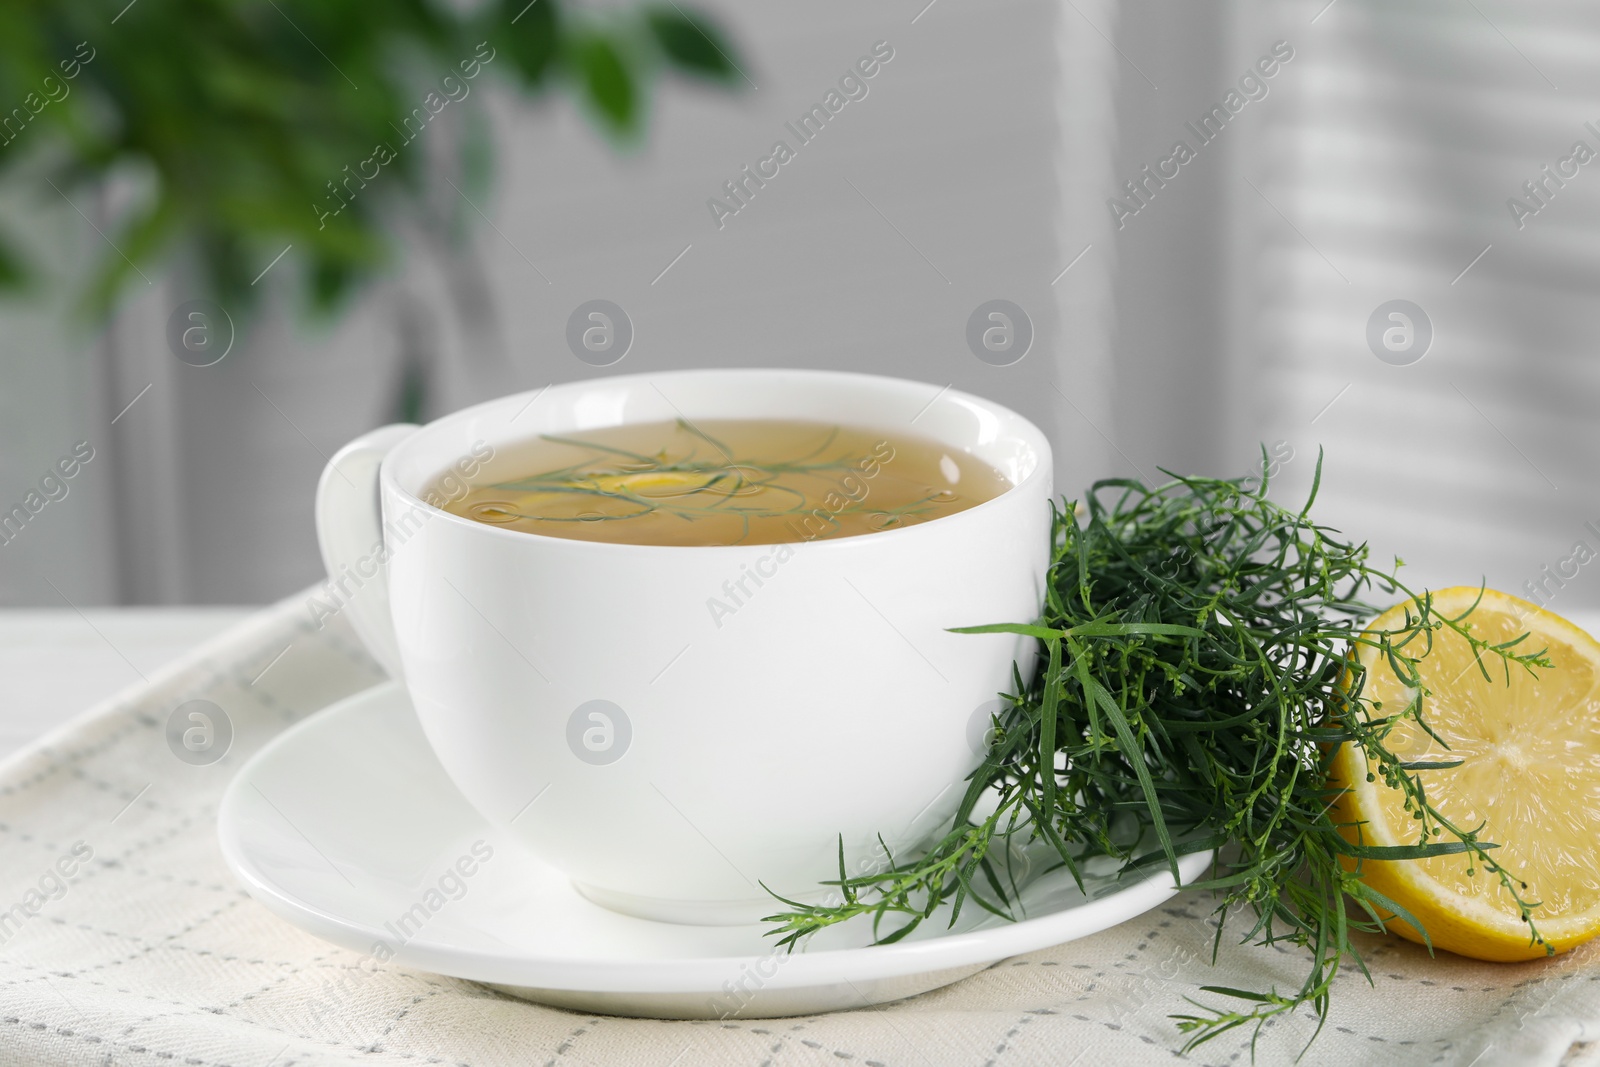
(254, 116)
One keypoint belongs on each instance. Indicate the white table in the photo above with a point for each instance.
(56, 664)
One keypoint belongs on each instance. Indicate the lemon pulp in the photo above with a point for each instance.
(1530, 776)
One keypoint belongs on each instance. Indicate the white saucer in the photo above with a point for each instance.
(347, 826)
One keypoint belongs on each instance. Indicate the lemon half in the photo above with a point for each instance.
(1530, 774)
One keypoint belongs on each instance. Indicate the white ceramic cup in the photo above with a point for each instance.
(673, 757)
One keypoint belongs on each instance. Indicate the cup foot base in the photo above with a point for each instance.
(684, 912)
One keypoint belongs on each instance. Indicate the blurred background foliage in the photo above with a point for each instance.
(261, 121)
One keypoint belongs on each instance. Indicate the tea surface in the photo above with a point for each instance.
(726, 482)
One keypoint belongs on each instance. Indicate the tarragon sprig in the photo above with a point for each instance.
(1196, 673)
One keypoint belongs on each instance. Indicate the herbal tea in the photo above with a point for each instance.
(726, 482)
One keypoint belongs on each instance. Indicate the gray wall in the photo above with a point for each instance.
(1230, 310)
(940, 189)
(1399, 138)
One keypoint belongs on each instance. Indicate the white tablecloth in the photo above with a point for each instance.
(152, 954)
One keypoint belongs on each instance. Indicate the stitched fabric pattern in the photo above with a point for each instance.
(149, 952)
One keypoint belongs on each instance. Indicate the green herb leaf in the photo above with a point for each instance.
(1415, 852)
(1043, 633)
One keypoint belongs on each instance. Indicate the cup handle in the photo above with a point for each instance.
(350, 534)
